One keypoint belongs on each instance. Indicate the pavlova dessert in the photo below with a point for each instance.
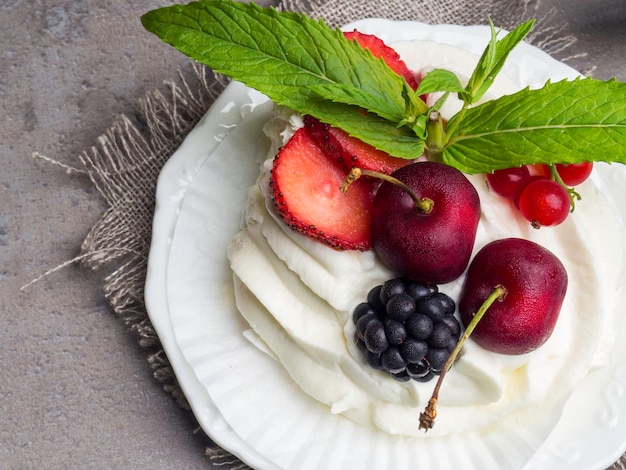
(304, 295)
(418, 218)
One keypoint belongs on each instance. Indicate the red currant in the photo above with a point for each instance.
(540, 169)
(509, 182)
(532, 179)
(544, 203)
(574, 173)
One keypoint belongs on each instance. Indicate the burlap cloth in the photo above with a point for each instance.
(125, 162)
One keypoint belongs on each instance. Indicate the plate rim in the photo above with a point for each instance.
(156, 279)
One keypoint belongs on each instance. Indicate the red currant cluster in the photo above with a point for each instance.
(543, 194)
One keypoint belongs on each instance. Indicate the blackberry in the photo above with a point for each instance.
(420, 371)
(418, 290)
(392, 360)
(391, 288)
(395, 332)
(452, 344)
(440, 337)
(453, 324)
(419, 326)
(363, 322)
(400, 306)
(361, 310)
(373, 359)
(448, 304)
(373, 298)
(437, 358)
(406, 329)
(432, 307)
(413, 350)
(401, 376)
(375, 337)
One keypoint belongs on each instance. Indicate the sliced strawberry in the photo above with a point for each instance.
(382, 51)
(349, 151)
(305, 186)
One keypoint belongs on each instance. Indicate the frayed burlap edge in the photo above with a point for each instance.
(125, 164)
(124, 168)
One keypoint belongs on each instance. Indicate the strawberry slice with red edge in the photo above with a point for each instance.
(349, 151)
(305, 186)
(380, 50)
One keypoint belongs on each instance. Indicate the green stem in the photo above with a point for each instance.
(427, 418)
(435, 136)
(422, 204)
(455, 121)
(573, 194)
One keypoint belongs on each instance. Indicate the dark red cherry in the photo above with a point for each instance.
(428, 246)
(536, 283)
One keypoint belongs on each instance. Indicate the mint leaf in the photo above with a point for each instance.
(563, 122)
(303, 64)
(492, 61)
(289, 57)
(399, 141)
(439, 80)
(354, 96)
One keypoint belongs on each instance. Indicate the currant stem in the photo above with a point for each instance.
(427, 418)
(422, 204)
(573, 195)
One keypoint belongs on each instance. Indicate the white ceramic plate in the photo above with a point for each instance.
(242, 398)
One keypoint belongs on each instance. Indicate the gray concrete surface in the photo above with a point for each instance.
(75, 389)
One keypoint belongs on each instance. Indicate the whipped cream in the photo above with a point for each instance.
(297, 295)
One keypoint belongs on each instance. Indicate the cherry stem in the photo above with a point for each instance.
(427, 418)
(422, 204)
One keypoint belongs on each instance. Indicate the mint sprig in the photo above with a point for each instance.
(297, 62)
(492, 61)
(311, 68)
